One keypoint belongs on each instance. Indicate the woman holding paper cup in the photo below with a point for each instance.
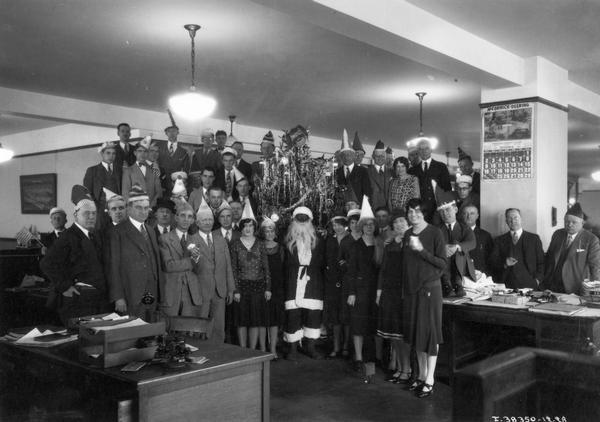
(424, 261)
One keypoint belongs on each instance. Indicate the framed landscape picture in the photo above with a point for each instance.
(38, 193)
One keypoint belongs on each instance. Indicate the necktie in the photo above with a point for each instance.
(569, 241)
(210, 243)
(449, 228)
(171, 149)
(347, 173)
(425, 167)
(228, 235)
(144, 233)
(91, 236)
(183, 242)
(381, 171)
(155, 170)
(515, 238)
(126, 149)
(228, 184)
(110, 171)
(165, 230)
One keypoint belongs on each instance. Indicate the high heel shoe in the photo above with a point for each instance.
(425, 391)
(415, 385)
(403, 379)
(393, 377)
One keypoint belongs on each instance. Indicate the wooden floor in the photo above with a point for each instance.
(328, 390)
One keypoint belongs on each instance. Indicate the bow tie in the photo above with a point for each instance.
(142, 164)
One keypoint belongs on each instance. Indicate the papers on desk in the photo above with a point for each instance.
(37, 338)
(133, 323)
(496, 304)
(557, 309)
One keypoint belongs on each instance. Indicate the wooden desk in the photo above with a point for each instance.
(232, 385)
(525, 382)
(466, 328)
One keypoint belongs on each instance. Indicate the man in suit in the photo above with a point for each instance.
(483, 240)
(379, 176)
(465, 164)
(573, 255)
(124, 151)
(267, 152)
(58, 219)
(237, 209)
(74, 265)
(200, 194)
(104, 175)
(518, 257)
(459, 240)
(358, 149)
(227, 176)
(242, 194)
(215, 274)
(135, 272)
(206, 156)
(140, 174)
(413, 157)
(116, 207)
(352, 179)
(180, 290)
(226, 231)
(220, 141)
(433, 178)
(172, 157)
(464, 192)
(163, 212)
(241, 164)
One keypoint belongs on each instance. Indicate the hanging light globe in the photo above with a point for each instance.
(433, 142)
(5, 154)
(192, 105)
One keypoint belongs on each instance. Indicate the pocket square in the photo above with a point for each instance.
(580, 250)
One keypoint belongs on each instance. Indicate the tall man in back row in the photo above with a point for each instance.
(573, 255)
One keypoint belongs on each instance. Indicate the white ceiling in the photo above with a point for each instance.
(275, 70)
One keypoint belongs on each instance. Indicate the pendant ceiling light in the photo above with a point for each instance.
(192, 105)
(433, 142)
(5, 154)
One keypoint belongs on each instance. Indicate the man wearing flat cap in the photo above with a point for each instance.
(172, 157)
(207, 155)
(74, 264)
(58, 219)
(306, 262)
(141, 174)
(573, 255)
(134, 268)
(104, 175)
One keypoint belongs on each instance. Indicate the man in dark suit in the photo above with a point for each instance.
(237, 209)
(483, 240)
(104, 175)
(172, 157)
(573, 255)
(241, 164)
(226, 231)
(58, 219)
(164, 210)
(464, 193)
(459, 240)
(227, 176)
(379, 176)
(267, 152)
(352, 179)
(220, 141)
(465, 164)
(180, 290)
(206, 156)
(242, 194)
(518, 257)
(124, 151)
(141, 174)
(135, 272)
(215, 274)
(74, 265)
(433, 178)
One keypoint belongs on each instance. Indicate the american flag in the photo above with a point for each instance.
(24, 236)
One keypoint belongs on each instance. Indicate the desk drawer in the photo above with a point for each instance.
(573, 331)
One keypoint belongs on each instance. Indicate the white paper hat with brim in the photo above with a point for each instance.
(345, 142)
(55, 210)
(366, 213)
(229, 150)
(137, 194)
(106, 145)
(355, 211)
(303, 211)
(247, 213)
(267, 222)
(464, 179)
(179, 175)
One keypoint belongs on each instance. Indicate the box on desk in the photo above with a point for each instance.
(116, 346)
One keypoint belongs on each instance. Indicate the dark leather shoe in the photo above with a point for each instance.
(459, 291)
(415, 385)
(425, 391)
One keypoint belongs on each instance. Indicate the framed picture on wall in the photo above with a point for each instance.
(38, 193)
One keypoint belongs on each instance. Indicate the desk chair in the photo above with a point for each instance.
(188, 326)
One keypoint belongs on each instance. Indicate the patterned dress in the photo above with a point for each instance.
(402, 190)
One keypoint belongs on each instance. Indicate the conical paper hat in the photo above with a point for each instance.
(179, 188)
(203, 210)
(356, 144)
(108, 194)
(248, 213)
(345, 142)
(365, 210)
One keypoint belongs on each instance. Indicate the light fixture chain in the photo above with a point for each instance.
(193, 57)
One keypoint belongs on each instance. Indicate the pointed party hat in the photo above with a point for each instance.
(366, 212)
(108, 194)
(203, 210)
(345, 142)
(356, 144)
(179, 188)
(379, 146)
(248, 213)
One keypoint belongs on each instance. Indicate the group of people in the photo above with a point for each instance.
(405, 240)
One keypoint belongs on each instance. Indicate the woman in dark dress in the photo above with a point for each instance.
(389, 299)
(424, 261)
(275, 308)
(333, 312)
(362, 278)
(250, 266)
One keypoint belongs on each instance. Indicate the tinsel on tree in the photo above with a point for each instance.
(292, 177)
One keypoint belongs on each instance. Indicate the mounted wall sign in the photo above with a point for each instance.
(38, 193)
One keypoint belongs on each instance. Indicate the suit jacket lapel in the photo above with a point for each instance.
(176, 242)
(135, 235)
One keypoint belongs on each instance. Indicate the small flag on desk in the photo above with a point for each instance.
(24, 236)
